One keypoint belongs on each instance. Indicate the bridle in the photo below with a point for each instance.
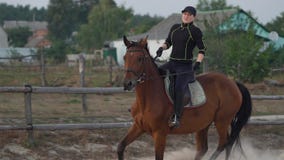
(140, 76)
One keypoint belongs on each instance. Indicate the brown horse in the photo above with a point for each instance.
(228, 106)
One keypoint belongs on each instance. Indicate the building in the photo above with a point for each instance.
(38, 39)
(39, 29)
(32, 25)
(224, 20)
(3, 38)
(26, 55)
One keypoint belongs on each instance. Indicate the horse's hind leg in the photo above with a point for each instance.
(201, 143)
(222, 129)
(133, 133)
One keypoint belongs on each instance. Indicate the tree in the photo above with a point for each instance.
(277, 24)
(236, 53)
(9, 12)
(105, 22)
(142, 23)
(209, 5)
(18, 37)
(84, 7)
(57, 52)
(61, 19)
(64, 18)
(245, 58)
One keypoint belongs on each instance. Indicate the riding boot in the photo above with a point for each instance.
(178, 107)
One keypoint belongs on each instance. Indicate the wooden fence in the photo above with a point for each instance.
(28, 90)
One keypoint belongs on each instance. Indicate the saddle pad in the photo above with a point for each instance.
(196, 91)
(167, 86)
(197, 94)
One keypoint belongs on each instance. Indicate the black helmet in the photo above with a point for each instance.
(190, 10)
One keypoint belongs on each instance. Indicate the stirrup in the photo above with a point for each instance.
(174, 122)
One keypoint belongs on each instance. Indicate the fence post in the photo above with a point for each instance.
(28, 113)
(110, 69)
(82, 65)
(42, 61)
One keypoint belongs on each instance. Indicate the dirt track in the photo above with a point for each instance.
(261, 142)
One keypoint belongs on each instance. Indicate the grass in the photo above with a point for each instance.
(73, 101)
(68, 106)
(59, 75)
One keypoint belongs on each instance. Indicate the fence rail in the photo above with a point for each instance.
(62, 90)
(90, 126)
(28, 90)
(96, 90)
(53, 127)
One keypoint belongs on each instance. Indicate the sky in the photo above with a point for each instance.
(264, 10)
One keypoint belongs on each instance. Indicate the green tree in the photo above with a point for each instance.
(245, 59)
(106, 22)
(61, 17)
(83, 10)
(236, 53)
(57, 52)
(209, 5)
(277, 60)
(18, 37)
(277, 24)
(142, 23)
(64, 18)
(10, 12)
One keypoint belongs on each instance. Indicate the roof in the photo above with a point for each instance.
(224, 20)
(33, 42)
(161, 30)
(32, 25)
(23, 53)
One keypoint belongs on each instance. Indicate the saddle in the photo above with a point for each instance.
(195, 94)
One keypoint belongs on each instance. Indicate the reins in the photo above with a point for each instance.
(141, 77)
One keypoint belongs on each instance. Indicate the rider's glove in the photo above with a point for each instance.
(196, 66)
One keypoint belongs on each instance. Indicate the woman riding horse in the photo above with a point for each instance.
(183, 38)
(228, 106)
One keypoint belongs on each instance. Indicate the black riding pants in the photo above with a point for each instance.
(184, 74)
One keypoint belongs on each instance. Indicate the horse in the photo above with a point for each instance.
(228, 106)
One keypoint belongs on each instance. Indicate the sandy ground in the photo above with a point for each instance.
(259, 142)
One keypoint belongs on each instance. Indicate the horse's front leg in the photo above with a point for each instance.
(133, 133)
(160, 144)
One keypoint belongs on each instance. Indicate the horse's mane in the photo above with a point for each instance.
(135, 43)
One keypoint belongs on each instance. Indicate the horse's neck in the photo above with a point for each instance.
(151, 92)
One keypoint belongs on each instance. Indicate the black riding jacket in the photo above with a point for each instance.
(183, 38)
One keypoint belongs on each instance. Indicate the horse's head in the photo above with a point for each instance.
(135, 60)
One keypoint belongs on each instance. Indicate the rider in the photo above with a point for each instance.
(183, 38)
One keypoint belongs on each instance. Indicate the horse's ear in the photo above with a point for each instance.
(127, 43)
(144, 42)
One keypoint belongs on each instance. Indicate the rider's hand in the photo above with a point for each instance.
(196, 66)
(159, 52)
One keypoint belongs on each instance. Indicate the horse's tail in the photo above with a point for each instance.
(241, 118)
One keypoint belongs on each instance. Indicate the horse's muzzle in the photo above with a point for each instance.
(129, 84)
